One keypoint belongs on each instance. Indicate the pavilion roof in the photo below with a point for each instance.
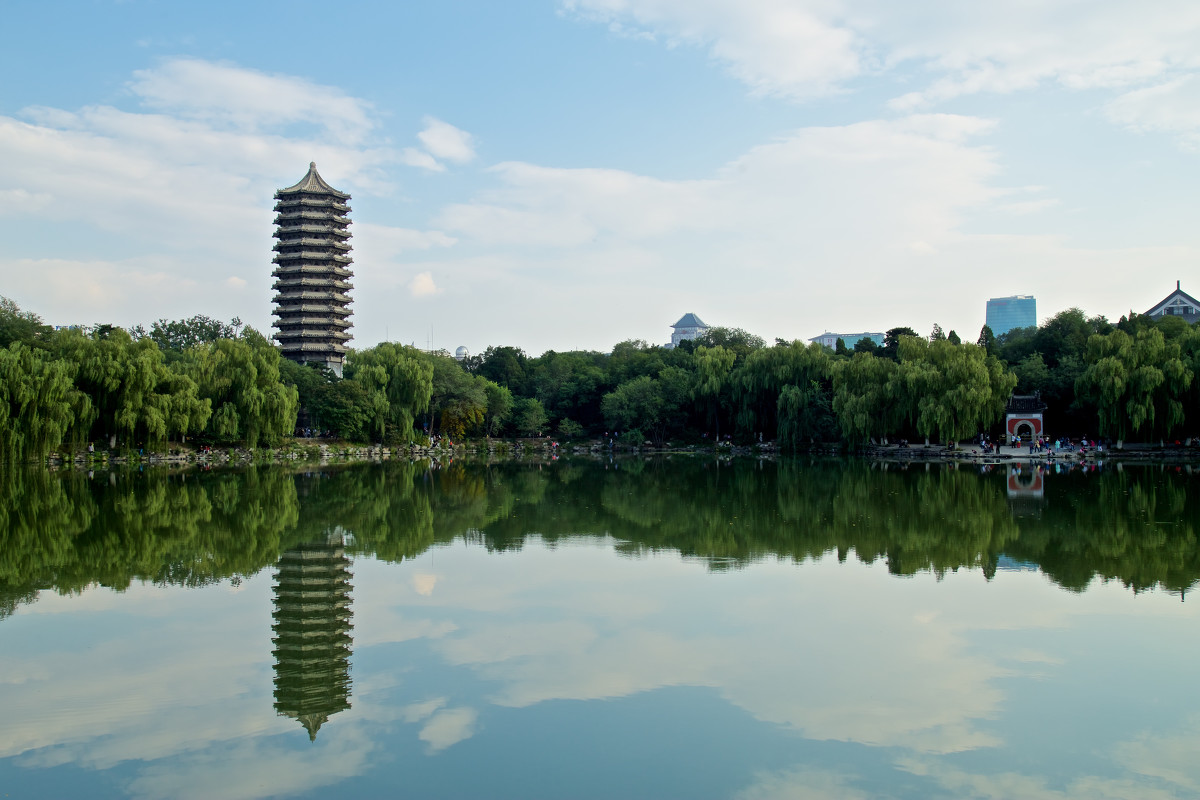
(689, 320)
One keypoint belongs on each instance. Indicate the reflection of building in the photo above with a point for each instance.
(312, 271)
(849, 339)
(1006, 313)
(1177, 304)
(312, 633)
(689, 327)
(1026, 492)
(1024, 416)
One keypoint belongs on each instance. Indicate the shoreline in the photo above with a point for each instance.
(322, 451)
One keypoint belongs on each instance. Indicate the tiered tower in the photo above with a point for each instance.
(312, 271)
(312, 633)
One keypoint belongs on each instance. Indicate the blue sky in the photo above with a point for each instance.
(572, 173)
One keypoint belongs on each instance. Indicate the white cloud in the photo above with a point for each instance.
(423, 583)
(802, 782)
(1170, 107)
(773, 46)
(443, 140)
(448, 727)
(250, 100)
(422, 285)
(419, 158)
(801, 48)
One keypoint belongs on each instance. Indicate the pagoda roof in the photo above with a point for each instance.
(313, 183)
(689, 320)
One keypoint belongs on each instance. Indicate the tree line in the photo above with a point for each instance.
(225, 383)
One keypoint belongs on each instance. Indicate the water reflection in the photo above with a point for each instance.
(526, 594)
(64, 532)
(312, 632)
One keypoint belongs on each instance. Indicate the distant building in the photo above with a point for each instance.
(1007, 313)
(830, 339)
(689, 327)
(312, 271)
(1177, 304)
(461, 353)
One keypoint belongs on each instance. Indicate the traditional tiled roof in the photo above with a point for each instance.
(1025, 404)
(313, 182)
(689, 320)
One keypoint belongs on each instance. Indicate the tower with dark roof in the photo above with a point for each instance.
(312, 272)
(689, 327)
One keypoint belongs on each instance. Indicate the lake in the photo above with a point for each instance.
(671, 628)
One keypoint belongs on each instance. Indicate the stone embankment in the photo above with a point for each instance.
(302, 450)
(324, 451)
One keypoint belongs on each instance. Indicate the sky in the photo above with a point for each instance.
(569, 174)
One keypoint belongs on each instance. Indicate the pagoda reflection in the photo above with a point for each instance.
(312, 632)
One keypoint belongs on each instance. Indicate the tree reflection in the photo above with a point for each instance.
(67, 531)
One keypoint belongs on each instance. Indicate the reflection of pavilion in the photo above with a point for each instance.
(1026, 493)
(312, 632)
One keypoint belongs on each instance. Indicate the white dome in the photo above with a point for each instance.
(461, 352)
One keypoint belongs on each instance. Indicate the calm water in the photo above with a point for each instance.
(676, 628)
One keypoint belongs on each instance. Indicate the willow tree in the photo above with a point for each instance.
(713, 365)
(39, 404)
(398, 383)
(1138, 383)
(134, 393)
(952, 390)
(241, 379)
(805, 413)
(860, 397)
(760, 380)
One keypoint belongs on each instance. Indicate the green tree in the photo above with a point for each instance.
(891, 342)
(529, 418)
(504, 366)
(758, 383)
(954, 390)
(734, 340)
(499, 407)
(39, 404)
(805, 414)
(179, 335)
(134, 393)
(241, 379)
(713, 368)
(635, 404)
(860, 396)
(458, 401)
(19, 326)
(1138, 383)
(987, 340)
(398, 384)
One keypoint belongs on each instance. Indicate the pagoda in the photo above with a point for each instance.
(312, 632)
(312, 272)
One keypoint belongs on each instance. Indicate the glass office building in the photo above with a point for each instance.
(1006, 313)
